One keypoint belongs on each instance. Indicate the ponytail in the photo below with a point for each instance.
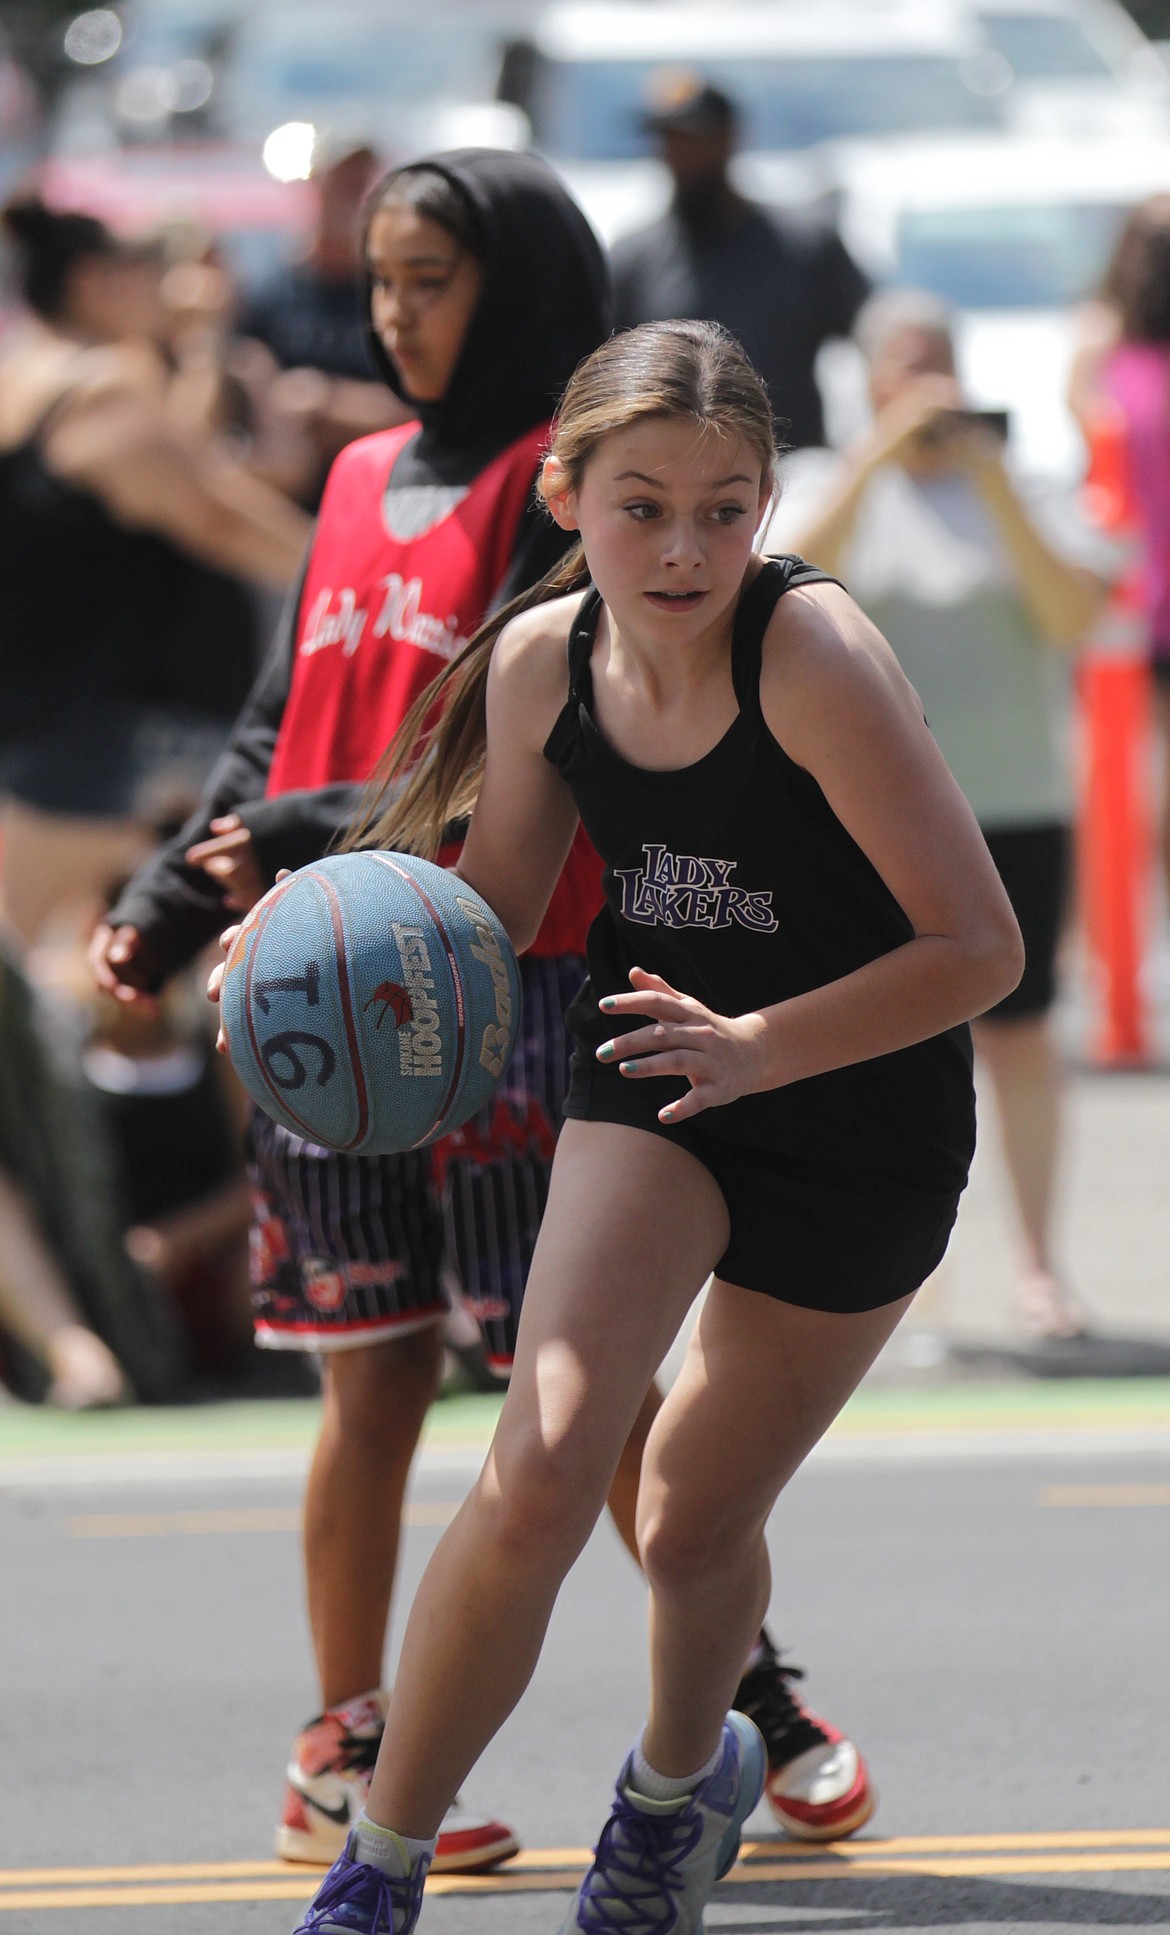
(430, 774)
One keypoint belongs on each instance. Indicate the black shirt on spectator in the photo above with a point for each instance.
(781, 285)
(311, 321)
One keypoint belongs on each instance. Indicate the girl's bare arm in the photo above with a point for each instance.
(525, 819)
(114, 437)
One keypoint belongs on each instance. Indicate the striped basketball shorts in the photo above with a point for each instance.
(352, 1250)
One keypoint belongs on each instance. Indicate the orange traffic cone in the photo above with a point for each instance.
(1116, 832)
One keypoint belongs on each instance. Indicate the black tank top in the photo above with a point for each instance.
(91, 609)
(734, 880)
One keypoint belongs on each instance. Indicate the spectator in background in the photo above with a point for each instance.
(122, 1182)
(1122, 371)
(311, 316)
(81, 1323)
(129, 632)
(41, 1317)
(979, 595)
(175, 1118)
(163, 1100)
(223, 383)
(782, 285)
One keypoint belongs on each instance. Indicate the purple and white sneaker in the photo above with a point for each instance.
(356, 1899)
(657, 1861)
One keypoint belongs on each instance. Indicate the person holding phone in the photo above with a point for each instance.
(981, 591)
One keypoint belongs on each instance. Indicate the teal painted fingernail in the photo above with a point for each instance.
(629, 1068)
(606, 1002)
(605, 1053)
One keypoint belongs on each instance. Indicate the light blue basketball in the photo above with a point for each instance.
(371, 1002)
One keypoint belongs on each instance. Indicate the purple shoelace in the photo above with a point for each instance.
(352, 1884)
(637, 1871)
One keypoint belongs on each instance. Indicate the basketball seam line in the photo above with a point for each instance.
(346, 994)
(271, 1086)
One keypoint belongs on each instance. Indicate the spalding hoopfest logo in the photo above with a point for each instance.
(497, 1036)
(412, 1001)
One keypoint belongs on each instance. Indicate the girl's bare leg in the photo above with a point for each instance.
(760, 1384)
(376, 1402)
(623, 1493)
(633, 1227)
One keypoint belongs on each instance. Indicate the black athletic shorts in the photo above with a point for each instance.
(811, 1240)
(1034, 863)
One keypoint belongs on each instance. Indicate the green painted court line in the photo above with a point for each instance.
(255, 1424)
(289, 1424)
(1011, 1404)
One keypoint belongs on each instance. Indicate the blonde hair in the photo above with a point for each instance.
(429, 775)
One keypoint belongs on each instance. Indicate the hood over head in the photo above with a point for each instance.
(545, 303)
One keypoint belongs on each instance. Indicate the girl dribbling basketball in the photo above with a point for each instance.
(771, 1084)
(486, 288)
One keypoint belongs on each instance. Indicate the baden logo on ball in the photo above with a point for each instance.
(322, 961)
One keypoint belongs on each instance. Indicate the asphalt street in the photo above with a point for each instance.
(984, 1609)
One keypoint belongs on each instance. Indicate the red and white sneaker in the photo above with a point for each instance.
(329, 1777)
(468, 1842)
(818, 1785)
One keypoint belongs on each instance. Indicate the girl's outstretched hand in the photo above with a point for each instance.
(124, 965)
(721, 1056)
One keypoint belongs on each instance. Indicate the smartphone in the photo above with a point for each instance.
(996, 423)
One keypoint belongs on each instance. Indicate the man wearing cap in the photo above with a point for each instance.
(781, 284)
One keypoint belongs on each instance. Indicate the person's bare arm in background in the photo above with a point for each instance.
(113, 436)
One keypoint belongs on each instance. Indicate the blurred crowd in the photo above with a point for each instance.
(164, 438)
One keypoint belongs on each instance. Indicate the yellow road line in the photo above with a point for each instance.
(555, 1869)
(150, 1525)
(967, 1843)
(157, 1525)
(1106, 1495)
(176, 1897)
(1037, 1842)
(1031, 1864)
(550, 1881)
(171, 1871)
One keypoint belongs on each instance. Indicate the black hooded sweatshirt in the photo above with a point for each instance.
(544, 305)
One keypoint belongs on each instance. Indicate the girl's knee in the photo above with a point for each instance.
(683, 1545)
(543, 1499)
